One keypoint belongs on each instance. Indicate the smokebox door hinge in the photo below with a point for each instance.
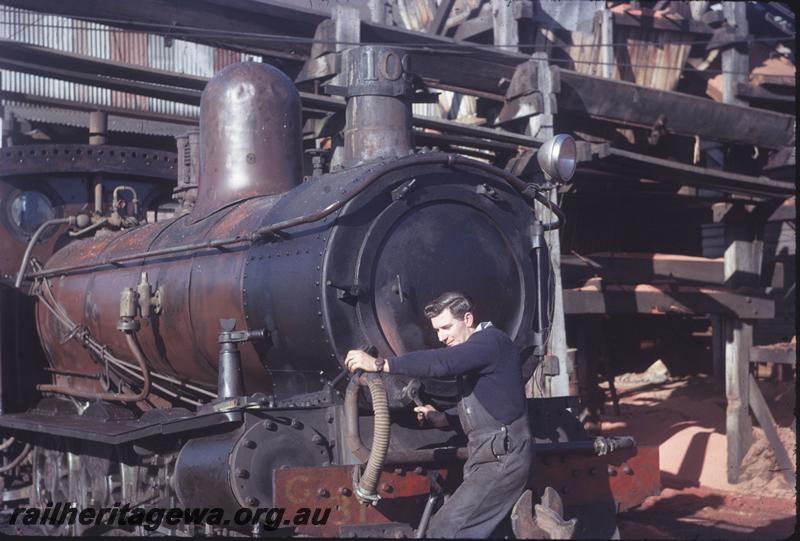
(346, 293)
(403, 189)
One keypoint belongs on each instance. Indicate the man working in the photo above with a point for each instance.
(492, 411)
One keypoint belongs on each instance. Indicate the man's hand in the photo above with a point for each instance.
(360, 360)
(432, 415)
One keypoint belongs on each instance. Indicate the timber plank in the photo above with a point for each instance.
(767, 424)
(661, 300)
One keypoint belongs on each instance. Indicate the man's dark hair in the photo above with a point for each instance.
(458, 303)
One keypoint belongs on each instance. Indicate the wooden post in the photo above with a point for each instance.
(718, 351)
(742, 267)
(606, 40)
(347, 31)
(377, 11)
(347, 27)
(735, 59)
(557, 345)
(743, 252)
(767, 423)
(506, 29)
(738, 428)
(541, 127)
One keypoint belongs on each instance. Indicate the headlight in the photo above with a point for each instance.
(28, 210)
(558, 158)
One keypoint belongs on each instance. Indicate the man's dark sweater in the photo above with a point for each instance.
(488, 358)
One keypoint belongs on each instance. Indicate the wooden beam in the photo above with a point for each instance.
(477, 25)
(663, 300)
(744, 245)
(767, 424)
(648, 19)
(436, 26)
(323, 62)
(738, 428)
(746, 91)
(775, 353)
(634, 105)
(624, 162)
(640, 268)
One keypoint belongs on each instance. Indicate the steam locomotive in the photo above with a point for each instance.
(196, 361)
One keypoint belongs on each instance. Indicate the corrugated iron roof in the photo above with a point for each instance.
(80, 119)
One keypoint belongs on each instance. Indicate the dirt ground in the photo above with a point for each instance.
(685, 418)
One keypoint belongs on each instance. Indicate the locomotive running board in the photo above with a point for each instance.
(114, 432)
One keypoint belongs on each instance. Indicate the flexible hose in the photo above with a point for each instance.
(27, 255)
(17, 461)
(136, 350)
(366, 491)
(47, 299)
(7, 443)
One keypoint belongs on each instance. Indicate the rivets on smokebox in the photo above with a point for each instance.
(242, 473)
(323, 493)
(250, 444)
(296, 424)
(251, 501)
(317, 439)
(269, 425)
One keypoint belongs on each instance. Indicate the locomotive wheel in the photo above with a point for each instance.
(98, 480)
(50, 473)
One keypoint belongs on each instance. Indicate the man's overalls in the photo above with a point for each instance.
(495, 474)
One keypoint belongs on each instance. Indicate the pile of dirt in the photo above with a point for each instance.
(702, 513)
(685, 418)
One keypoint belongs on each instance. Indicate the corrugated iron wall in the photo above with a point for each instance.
(108, 43)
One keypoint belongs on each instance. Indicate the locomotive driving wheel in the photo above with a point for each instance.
(50, 473)
(98, 481)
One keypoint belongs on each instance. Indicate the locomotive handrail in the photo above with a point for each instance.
(27, 255)
(527, 190)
